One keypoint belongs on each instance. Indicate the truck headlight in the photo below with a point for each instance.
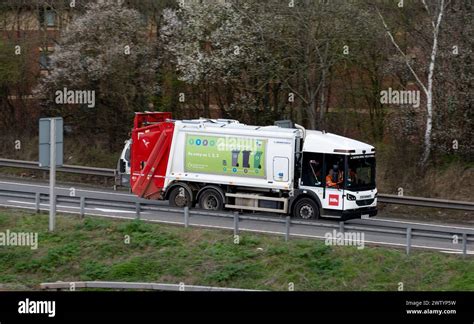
(351, 197)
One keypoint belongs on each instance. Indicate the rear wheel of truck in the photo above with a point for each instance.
(306, 208)
(180, 197)
(211, 200)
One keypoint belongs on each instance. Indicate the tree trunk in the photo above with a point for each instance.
(312, 114)
(322, 103)
(429, 126)
(429, 90)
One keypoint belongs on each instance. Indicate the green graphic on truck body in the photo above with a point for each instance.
(236, 156)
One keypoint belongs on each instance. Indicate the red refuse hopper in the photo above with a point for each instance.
(151, 143)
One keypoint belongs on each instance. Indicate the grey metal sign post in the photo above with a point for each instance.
(51, 155)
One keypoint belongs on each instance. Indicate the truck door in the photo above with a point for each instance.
(312, 175)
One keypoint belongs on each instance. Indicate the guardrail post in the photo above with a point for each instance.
(116, 179)
(82, 207)
(137, 209)
(341, 227)
(408, 240)
(236, 223)
(186, 217)
(464, 245)
(37, 202)
(287, 228)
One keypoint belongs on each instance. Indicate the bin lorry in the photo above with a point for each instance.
(221, 164)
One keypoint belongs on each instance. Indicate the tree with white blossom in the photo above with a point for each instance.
(105, 50)
(210, 43)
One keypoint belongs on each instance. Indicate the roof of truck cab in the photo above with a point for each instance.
(317, 141)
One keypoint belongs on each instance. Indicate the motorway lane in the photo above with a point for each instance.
(159, 212)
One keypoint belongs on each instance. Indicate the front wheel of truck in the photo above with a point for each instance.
(306, 208)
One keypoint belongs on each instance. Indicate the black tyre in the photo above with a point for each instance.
(306, 208)
(180, 197)
(211, 199)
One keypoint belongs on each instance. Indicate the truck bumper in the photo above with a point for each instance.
(357, 213)
(350, 213)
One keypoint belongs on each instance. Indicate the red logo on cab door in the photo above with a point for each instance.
(333, 200)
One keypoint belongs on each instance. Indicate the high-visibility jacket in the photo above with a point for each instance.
(329, 182)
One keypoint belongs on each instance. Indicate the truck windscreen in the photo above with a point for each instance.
(361, 173)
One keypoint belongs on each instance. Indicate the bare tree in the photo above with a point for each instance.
(435, 14)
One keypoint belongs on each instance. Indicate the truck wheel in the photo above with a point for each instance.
(180, 197)
(211, 200)
(306, 208)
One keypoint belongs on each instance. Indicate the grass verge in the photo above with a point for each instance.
(97, 249)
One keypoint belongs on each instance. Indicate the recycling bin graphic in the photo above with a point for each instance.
(245, 159)
(235, 158)
(257, 160)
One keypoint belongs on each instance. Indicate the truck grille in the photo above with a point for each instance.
(365, 202)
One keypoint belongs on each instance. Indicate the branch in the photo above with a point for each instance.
(402, 53)
(295, 92)
(428, 11)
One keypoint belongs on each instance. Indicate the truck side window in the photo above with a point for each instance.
(312, 168)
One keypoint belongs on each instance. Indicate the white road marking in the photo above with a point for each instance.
(42, 204)
(74, 207)
(105, 210)
(414, 223)
(68, 188)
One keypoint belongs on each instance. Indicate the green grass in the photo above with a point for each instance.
(96, 249)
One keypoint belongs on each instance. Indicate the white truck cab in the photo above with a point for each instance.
(123, 166)
(340, 172)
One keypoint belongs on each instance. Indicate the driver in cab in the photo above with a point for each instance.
(334, 178)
